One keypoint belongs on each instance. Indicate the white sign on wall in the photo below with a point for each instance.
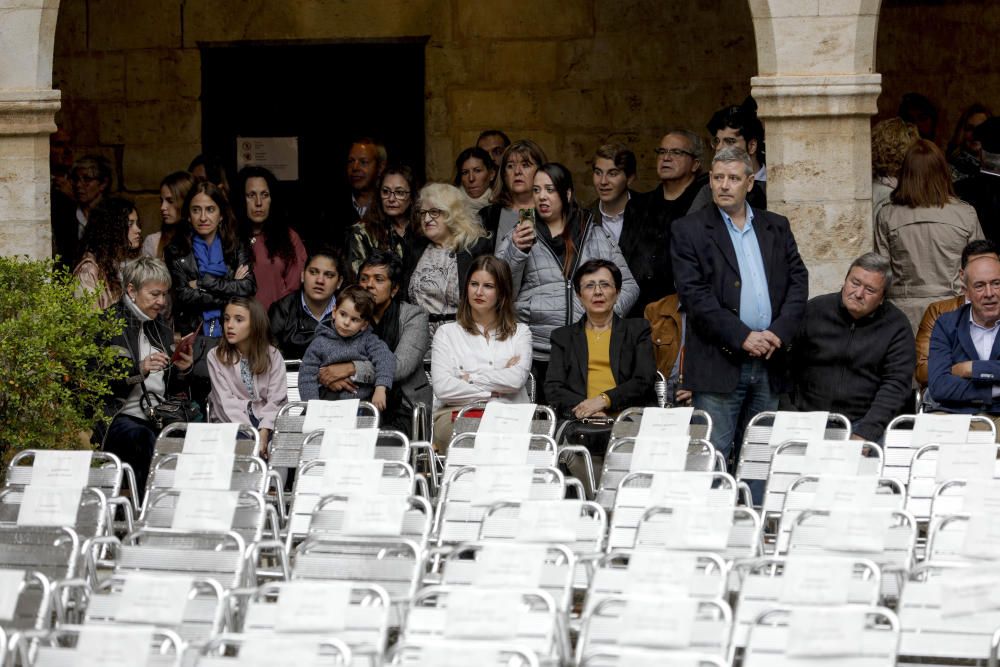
(279, 154)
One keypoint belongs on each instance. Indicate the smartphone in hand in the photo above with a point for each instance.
(185, 346)
(526, 216)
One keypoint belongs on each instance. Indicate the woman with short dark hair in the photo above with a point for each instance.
(389, 222)
(474, 173)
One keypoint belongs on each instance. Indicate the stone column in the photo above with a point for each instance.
(27, 111)
(816, 93)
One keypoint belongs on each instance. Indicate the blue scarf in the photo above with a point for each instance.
(211, 261)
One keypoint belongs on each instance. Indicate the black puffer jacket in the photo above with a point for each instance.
(212, 292)
(292, 327)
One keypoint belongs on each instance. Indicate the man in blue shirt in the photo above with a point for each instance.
(744, 288)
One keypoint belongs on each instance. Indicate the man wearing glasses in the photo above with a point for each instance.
(90, 177)
(738, 126)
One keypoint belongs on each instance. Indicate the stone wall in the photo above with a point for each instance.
(571, 78)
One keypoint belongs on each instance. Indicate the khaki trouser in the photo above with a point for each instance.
(993, 418)
(443, 426)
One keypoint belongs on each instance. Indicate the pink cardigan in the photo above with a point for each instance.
(229, 396)
(275, 279)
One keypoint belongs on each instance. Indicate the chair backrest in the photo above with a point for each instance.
(55, 552)
(229, 650)
(900, 445)
(629, 657)
(390, 446)
(171, 441)
(963, 538)
(108, 644)
(503, 522)
(106, 472)
(757, 450)
(221, 556)
(287, 438)
(463, 451)
(476, 651)
(628, 421)
(925, 477)
(618, 462)
(249, 473)
(543, 423)
(249, 518)
(780, 637)
(92, 517)
(731, 532)
(330, 518)
(292, 379)
(31, 595)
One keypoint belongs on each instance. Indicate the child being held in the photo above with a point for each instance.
(350, 339)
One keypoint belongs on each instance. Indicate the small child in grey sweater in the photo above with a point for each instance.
(350, 339)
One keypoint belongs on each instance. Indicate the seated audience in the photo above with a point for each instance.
(964, 362)
(147, 342)
(474, 173)
(349, 339)
(854, 353)
(173, 191)
(512, 189)
(112, 237)
(295, 317)
(388, 222)
(891, 138)
(485, 354)
(450, 239)
(249, 385)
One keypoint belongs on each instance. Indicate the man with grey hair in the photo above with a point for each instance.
(855, 353)
(744, 287)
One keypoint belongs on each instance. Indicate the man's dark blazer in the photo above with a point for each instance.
(951, 343)
(707, 276)
(633, 366)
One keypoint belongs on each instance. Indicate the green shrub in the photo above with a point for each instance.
(54, 378)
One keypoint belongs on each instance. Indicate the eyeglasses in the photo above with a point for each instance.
(435, 213)
(672, 152)
(398, 194)
(729, 141)
(593, 285)
(84, 178)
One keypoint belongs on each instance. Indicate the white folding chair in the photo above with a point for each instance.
(900, 446)
(58, 648)
(543, 422)
(225, 651)
(287, 438)
(33, 605)
(701, 457)
(426, 653)
(923, 481)
(628, 421)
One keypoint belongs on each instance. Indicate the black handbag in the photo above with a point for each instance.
(163, 411)
(591, 432)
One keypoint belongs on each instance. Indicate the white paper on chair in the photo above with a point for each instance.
(673, 489)
(964, 461)
(153, 598)
(857, 530)
(48, 506)
(662, 574)
(10, 591)
(313, 606)
(331, 415)
(273, 649)
(432, 655)
(352, 444)
(507, 417)
(204, 471)
(982, 536)
(552, 521)
(351, 477)
(938, 429)
(964, 592)
(825, 632)
(501, 448)
(636, 657)
(803, 426)
(660, 422)
(659, 453)
(816, 580)
(704, 528)
(201, 510)
(492, 484)
(58, 467)
(113, 646)
(210, 438)
(475, 613)
(510, 565)
(844, 492)
(374, 515)
(832, 457)
(658, 622)
(981, 495)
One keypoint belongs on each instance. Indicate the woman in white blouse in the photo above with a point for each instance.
(485, 354)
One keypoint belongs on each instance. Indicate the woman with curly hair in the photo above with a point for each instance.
(890, 140)
(451, 239)
(278, 254)
(111, 238)
(388, 224)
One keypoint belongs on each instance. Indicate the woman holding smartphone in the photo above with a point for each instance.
(512, 190)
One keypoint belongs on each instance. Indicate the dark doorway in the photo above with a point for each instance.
(325, 94)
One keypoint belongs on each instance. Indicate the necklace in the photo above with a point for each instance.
(598, 335)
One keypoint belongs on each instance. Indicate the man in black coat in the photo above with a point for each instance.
(744, 287)
(855, 352)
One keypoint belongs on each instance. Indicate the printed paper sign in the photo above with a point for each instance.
(822, 581)
(700, 528)
(857, 530)
(981, 496)
(502, 565)
(802, 426)
(507, 417)
(113, 646)
(63, 468)
(840, 492)
(635, 657)
(963, 461)
(982, 536)
(313, 606)
(368, 516)
(475, 613)
(331, 415)
(680, 488)
(501, 448)
(552, 521)
(154, 599)
(661, 574)
(210, 438)
(447, 656)
(353, 444)
(495, 483)
(204, 471)
(940, 429)
(657, 622)
(10, 591)
(275, 649)
(352, 477)
(825, 632)
(200, 510)
(48, 506)
(665, 422)
(964, 593)
(659, 453)
(832, 457)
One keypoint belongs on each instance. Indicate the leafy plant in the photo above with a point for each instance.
(54, 376)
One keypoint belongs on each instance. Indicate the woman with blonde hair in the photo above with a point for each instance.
(890, 140)
(450, 239)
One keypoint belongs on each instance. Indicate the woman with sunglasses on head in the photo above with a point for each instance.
(388, 224)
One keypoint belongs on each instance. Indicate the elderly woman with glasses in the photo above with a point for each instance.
(388, 224)
(450, 239)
